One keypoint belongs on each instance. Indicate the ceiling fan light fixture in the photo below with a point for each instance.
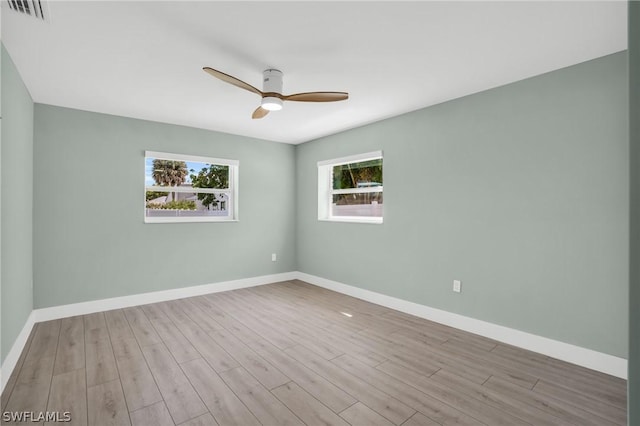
(272, 97)
(271, 103)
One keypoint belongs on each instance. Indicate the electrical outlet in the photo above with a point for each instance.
(457, 286)
(274, 257)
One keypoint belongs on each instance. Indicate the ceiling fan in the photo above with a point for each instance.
(272, 97)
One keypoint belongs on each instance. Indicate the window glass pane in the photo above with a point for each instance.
(363, 174)
(186, 204)
(191, 174)
(367, 204)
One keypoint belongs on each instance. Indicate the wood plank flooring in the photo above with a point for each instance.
(294, 354)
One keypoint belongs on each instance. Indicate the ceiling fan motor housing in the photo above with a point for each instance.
(272, 83)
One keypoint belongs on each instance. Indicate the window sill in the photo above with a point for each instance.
(186, 220)
(369, 220)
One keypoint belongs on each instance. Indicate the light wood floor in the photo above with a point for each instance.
(290, 354)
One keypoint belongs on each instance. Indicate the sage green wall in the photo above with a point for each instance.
(17, 202)
(521, 192)
(90, 239)
(634, 287)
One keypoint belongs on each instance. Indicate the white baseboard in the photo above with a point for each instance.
(14, 354)
(588, 358)
(574, 354)
(83, 308)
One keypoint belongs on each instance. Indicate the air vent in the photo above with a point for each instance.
(34, 8)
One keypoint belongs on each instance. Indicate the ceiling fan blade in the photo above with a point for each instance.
(232, 80)
(259, 113)
(317, 97)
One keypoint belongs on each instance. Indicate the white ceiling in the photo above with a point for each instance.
(145, 59)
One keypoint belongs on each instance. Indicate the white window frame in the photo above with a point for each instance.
(232, 191)
(326, 191)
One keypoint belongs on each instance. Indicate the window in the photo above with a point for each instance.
(184, 188)
(350, 188)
